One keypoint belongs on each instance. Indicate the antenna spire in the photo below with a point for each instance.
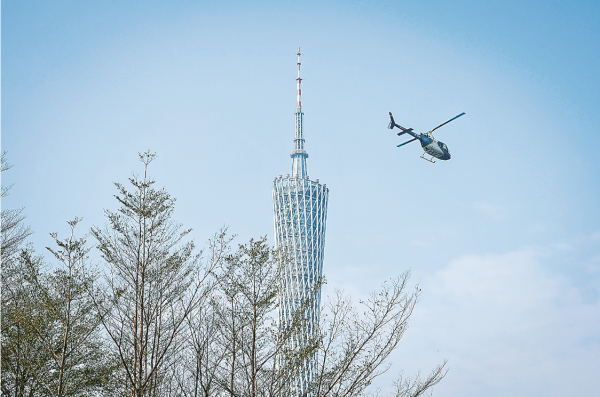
(299, 80)
(299, 155)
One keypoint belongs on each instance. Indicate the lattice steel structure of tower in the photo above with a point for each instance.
(300, 212)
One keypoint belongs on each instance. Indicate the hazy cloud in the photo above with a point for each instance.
(509, 327)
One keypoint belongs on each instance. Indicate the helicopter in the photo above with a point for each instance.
(430, 145)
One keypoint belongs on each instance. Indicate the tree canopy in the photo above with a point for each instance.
(159, 318)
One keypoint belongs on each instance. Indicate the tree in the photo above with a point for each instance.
(14, 232)
(354, 347)
(50, 330)
(153, 285)
(236, 347)
(23, 356)
(258, 360)
(241, 350)
(248, 287)
(203, 354)
(80, 363)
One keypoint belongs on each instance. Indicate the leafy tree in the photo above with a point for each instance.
(14, 232)
(80, 363)
(260, 361)
(238, 348)
(201, 359)
(25, 358)
(23, 355)
(354, 347)
(154, 284)
(50, 331)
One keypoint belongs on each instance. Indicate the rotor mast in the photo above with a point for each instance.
(299, 155)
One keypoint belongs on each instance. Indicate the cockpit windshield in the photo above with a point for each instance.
(443, 146)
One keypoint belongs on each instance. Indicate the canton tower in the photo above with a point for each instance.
(300, 212)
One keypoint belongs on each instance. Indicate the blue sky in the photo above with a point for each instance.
(504, 238)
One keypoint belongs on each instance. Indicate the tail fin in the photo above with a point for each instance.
(392, 122)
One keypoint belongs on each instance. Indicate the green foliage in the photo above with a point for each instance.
(51, 345)
(81, 364)
(236, 347)
(25, 358)
(14, 232)
(153, 283)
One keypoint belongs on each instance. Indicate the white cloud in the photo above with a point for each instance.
(508, 327)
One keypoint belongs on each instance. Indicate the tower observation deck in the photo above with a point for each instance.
(300, 213)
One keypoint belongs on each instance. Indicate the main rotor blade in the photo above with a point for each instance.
(402, 144)
(443, 124)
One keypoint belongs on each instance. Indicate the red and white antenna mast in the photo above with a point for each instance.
(299, 155)
(299, 81)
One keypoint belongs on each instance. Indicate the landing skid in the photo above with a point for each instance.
(425, 158)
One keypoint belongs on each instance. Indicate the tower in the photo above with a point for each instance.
(300, 213)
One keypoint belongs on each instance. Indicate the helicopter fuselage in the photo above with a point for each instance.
(435, 148)
(432, 146)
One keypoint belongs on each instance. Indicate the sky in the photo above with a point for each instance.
(503, 239)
